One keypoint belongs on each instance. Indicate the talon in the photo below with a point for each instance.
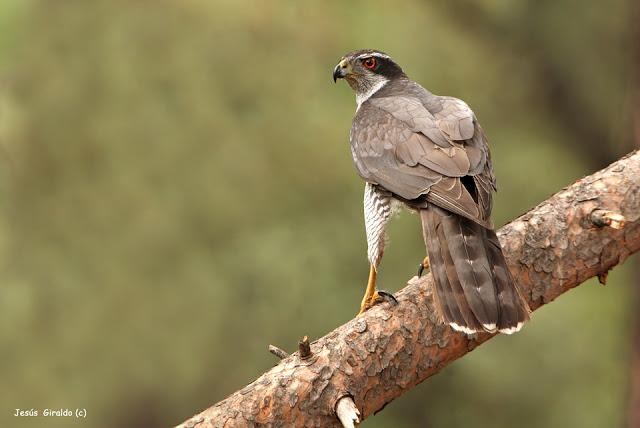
(422, 266)
(385, 296)
(373, 296)
(379, 296)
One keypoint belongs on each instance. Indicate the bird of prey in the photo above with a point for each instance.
(429, 153)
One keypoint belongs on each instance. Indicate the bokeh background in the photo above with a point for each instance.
(177, 192)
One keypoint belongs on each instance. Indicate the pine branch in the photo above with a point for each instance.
(580, 232)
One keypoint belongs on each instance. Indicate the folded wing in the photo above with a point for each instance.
(438, 155)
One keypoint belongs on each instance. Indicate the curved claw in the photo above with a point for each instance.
(385, 296)
(380, 296)
(422, 266)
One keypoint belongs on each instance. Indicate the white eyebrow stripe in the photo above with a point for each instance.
(376, 54)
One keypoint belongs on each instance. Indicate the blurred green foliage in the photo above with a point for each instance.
(177, 192)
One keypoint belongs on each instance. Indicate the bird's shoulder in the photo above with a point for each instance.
(406, 122)
(442, 119)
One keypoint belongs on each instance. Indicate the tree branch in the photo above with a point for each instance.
(375, 358)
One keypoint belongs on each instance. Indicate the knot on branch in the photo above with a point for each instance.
(602, 218)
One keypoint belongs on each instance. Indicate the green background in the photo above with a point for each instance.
(177, 192)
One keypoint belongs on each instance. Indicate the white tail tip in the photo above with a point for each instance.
(489, 328)
(463, 329)
(512, 330)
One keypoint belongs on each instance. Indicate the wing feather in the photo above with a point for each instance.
(415, 152)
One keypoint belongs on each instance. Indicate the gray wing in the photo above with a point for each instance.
(439, 153)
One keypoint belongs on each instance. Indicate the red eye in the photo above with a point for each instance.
(370, 63)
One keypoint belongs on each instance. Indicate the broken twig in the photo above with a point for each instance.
(347, 412)
(304, 348)
(278, 352)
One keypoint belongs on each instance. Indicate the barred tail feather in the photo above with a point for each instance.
(474, 290)
(514, 310)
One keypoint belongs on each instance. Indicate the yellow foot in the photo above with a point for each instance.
(378, 296)
(424, 265)
(373, 296)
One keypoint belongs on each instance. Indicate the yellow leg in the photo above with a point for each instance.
(369, 294)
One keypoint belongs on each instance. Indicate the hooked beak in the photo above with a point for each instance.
(341, 70)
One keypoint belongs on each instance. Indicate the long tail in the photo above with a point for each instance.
(474, 290)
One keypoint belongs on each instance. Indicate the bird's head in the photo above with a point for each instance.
(366, 69)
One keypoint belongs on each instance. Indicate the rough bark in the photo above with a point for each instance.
(633, 411)
(380, 355)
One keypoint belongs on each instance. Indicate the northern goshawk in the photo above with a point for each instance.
(429, 153)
